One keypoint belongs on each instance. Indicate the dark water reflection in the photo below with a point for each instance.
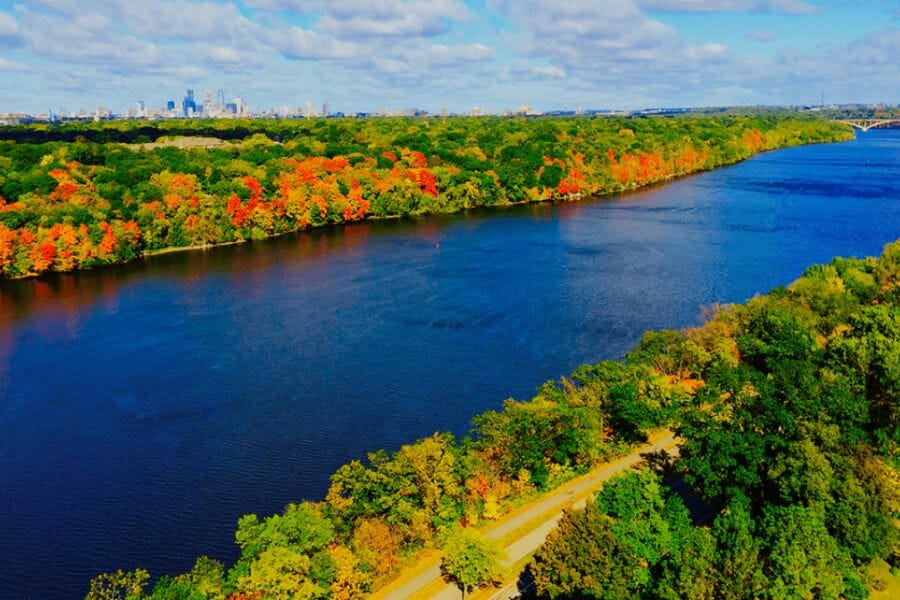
(144, 408)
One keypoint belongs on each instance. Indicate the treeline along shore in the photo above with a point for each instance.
(97, 200)
(788, 408)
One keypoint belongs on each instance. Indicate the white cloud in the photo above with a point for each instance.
(7, 66)
(184, 20)
(10, 32)
(419, 63)
(871, 57)
(439, 54)
(857, 71)
(388, 36)
(398, 25)
(226, 56)
(311, 45)
(193, 21)
(550, 71)
(760, 36)
(787, 7)
(350, 18)
(85, 38)
(612, 43)
(707, 51)
(525, 71)
(584, 33)
(64, 7)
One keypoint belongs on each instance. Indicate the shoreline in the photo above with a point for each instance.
(576, 197)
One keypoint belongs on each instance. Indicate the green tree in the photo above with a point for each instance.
(281, 574)
(637, 504)
(208, 576)
(613, 547)
(534, 435)
(432, 468)
(583, 558)
(120, 585)
(471, 559)
(690, 573)
(737, 553)
(176, 588)
(804, 561)
(669, 352)
(300, 528)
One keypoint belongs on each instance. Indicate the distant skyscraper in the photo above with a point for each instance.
(208, 107)
(170, 105)
(188, 105)
(325, 112)
(220, 99)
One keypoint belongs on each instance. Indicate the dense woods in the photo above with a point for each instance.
(789, 412)
(83, 195)
(792, 442)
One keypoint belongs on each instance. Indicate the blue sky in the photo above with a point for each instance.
(362, 55)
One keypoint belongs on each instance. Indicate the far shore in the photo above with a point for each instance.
(573, 197)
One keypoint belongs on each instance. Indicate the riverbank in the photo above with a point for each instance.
(608, 194)
(95, 212)
(389, 507)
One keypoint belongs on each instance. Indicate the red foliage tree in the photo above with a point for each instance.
(428, 182)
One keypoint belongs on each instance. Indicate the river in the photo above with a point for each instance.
(144, 408)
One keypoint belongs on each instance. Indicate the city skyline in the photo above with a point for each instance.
(448, 54)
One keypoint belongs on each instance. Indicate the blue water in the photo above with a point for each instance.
(144, 408)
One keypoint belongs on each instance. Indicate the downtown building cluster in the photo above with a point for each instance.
(212, 106)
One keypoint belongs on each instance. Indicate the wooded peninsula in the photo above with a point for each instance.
(82, 195)
(788, 408)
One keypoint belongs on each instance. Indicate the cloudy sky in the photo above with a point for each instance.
(361, 55)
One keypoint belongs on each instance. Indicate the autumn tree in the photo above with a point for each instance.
(350, 582)
(334, 174)
(119, 585)
(376, 545)
(281, 574)
(471, 559)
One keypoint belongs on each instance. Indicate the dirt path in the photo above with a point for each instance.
(427, 582)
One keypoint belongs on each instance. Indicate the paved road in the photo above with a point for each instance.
(560, 499)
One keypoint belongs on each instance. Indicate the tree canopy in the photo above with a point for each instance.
(793, 434)
(84, 195)
(471, 559)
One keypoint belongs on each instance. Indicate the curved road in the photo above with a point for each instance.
(557, 501)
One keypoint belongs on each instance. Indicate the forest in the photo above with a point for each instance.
(78, 196)
(788, 408)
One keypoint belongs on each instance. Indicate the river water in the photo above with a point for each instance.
(144, 408)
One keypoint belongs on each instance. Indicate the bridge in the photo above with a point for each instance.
(867, 124)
